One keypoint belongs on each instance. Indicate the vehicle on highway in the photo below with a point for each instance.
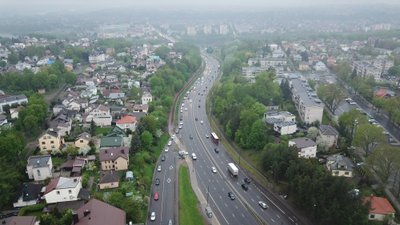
(209, 212)
(231, 195)
(181, 123)
(173, 137)
(195, 119)
(191, 137)
(194, 157)
(159, 168)
(213, 169)
(176, 130)
(169, 143)
(169, 222)
(185, 109)
(245, 187)
(157, 181)
(214, 138)
(247, 180)
(207, 136)
(180, 126)
(153, 216)
(190, 100)
(166, 149)
(163, 158)
(233, 169)
(201, 122)
(156, 196)
(263, 205)
(216, 150)
(199, 106)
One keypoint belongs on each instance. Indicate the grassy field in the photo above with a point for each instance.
(189, 213)
(102, 130)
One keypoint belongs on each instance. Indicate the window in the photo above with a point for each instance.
(81, 141)
(43, 142)
(69, 191)
(53, 146)
(372, 216)
(347, 173)
(51, 142)
(38, 173)
(58, 192)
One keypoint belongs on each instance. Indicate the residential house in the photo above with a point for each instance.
(283, 122)
(127, 122)
(285, 127)
(15, 112)
(74, 166)
(3, 120)
(146, 98)
(51, 141)
(320, 66)
(380, 208)
(82, 141)
(101, 116)
(308, 105)
(340, 166)
(30, 194)
(114, 158)
(62, 123)
(305, 147)
(140, 108)
(12, 100)
(63, 189)
(96, 212)
(39, 167)
(22, 220)
(328, 135)
(109, 179)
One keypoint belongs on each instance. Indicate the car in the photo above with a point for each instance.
(181, 123)
(180, 127)
(195, 119)
(191, 137)
(155, 196)
(263, 205)
(194, 157)
(216, 150)
(207, 136)
(186, 109)
(163, 158)
(285, 196)
(159, 168)
(169, 143)
(199, 106)
(157, 181)
(245, 187)
(213, 169)
(201, 122)
(247, 180)
(190, 100)
(181, 111)
(348, 99)
(153, 216)
(231, 195)
(169, 222)
(177, 131)
(352, 103)
(166, 149)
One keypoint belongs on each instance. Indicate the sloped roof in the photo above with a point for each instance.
(109, 177)
(328, 130)
(303, 142)
(126, 119)
(113, 153)
(62, 183)
(85, 136)
(38, 161)
(22, 220)
(100, 213)
(379, 205)
(111, 142)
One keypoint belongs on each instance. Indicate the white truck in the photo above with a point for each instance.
(233, 169)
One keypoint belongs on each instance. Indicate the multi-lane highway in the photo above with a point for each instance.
(194, 137)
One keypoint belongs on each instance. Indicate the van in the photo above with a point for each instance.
(209, 212)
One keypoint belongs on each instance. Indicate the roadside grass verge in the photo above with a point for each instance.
(189, 213)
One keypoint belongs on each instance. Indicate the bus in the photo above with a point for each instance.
(214, 138)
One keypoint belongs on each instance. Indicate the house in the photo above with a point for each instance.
(285, 127)
(22, 220)
(30, 194)
(383, 92)
(12, 100)
(39, 167)
(146, 98)
(283, 122)
(63, 189)
(82, 141)
(308, 105)
(114, 159)
(96, 212)
(340, 166)
(101, 116)
(62, 123)
(140, 108)
(50, 141)
(328, 134)
(74, 166)
(127, 122)
(109, 179)
(15, 112)
(320, 66)
(114, 139)
(380, 208)
(305, 147)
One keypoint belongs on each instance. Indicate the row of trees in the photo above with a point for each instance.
(50, 77)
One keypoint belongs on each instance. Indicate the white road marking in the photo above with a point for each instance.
(273, 220)
(278, 216)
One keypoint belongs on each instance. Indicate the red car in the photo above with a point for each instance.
(155, 196)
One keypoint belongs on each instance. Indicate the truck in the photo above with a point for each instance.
(233, 169)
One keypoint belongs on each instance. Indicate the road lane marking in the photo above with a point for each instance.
(273, 220)
(278, 216)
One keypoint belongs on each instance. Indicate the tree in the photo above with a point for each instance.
(146, 139)
(136, 143)
(332, 95)
(367, 136)
(71, 150)
(348, 122)
(13, 58)
(385, 162)
(92, 128)
(135, 93)
(312, 133)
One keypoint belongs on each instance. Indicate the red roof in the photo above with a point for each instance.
(379, 205)
(127, 119)
(52, 185)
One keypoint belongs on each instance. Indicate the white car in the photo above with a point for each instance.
(263, 205)
(159, 168)
(201, 122)
(207, 136)
(194, 157)
(173, 137)
(169, 143)
(166, 149)
(213, 169)
(153, 216)
(190, 100)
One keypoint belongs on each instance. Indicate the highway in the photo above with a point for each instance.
(194, 138)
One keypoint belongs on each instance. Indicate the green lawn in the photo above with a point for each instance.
(189, 213)
(102, 130)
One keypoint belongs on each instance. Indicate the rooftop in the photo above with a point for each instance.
(305, 93)
(38, 161)
(96, 212)
(113, 153)
(379, 205)
(303, 142)
(62, 183)
(328, 130)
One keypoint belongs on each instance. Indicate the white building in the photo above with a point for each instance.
(285, 128)
(127, 122)
(320, 66)
(328, 135)
(306, 147)
(101, 116)
(146, 98)
(12, 100)
(283, 122)
(63, 189)
(39, 167)
(97, 58)
(340, 166)
(308, 105)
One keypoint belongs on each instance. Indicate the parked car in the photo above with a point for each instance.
(194, 157)
(216, 150)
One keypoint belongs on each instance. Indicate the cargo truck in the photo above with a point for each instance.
(233, 169)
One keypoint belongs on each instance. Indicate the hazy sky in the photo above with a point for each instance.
(99, 4)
